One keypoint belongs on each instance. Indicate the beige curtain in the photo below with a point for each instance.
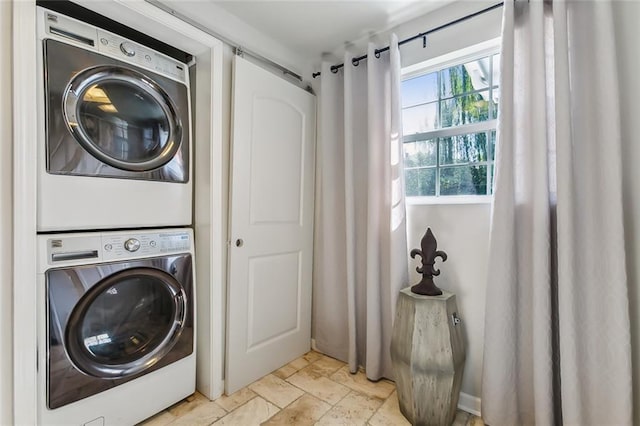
(557, 339)
(360, 260)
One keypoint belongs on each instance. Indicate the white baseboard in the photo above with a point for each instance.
(313, 345)
(470, 404)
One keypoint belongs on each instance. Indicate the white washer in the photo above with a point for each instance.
(114, 131)
(116, 325)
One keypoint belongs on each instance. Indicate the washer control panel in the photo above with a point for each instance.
(147, 244)
(110, 246)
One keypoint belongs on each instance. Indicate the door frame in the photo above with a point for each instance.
(208, 181)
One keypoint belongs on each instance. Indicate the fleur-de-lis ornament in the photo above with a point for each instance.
(428, 254)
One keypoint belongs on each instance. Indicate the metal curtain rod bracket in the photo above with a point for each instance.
(356, 61)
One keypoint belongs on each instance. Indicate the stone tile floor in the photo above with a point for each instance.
(311, 390)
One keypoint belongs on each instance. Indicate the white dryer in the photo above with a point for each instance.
(116, 325)
(115, 131)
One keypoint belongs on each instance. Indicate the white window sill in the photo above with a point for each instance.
(450, 199)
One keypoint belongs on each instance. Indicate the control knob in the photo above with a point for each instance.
(128, 49)
(132, 244)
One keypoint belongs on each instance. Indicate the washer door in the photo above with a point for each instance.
(122, 118)
(126, 323)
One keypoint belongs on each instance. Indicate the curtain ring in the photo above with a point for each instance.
(355, 62)
(376, 53)
(334, 69)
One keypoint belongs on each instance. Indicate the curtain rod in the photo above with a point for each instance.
(423, 36)
(237, 48)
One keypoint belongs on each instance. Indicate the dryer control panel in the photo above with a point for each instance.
(87, 36)
(121, 245)
(133, 52)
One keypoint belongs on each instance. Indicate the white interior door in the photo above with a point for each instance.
(270, 257)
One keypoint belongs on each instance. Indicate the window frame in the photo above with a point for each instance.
(458, 57)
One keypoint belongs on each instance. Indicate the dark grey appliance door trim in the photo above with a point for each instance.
(67, 286)
(66, 156)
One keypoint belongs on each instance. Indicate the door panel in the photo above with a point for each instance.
(269, 296)
(285, 168)
(274, 281)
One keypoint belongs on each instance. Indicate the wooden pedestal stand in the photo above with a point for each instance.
(427, 352)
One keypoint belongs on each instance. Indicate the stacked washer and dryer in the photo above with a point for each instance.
(116, 290)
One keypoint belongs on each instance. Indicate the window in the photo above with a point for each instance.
(449, 116)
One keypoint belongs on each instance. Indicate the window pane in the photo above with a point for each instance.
(463, 180)
(420, 154)
(419, 119)
(479, 72)
(465, 109)
(453, 80)
(470, 148)
(420, 90)
(420, 182)
(474, 75)
(450, 97)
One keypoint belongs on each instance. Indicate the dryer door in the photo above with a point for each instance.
(126, 323)
(122, 118)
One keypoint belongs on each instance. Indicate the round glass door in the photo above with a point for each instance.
(126, 323)
(122, 118)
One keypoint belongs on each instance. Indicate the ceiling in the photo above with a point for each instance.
(323, 26)
(310, 28)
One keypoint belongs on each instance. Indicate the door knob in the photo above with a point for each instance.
(239, 242)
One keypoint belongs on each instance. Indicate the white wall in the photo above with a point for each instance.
(462, 231)
(6, 182)
(627, 32)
